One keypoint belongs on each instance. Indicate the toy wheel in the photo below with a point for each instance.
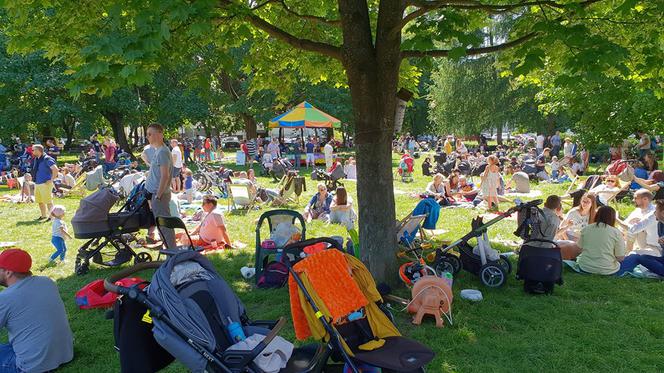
(506, 264)
(449, 263)
(81, 267)
(142, 258)
(492, 275)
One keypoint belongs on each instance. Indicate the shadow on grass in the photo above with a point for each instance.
(30, 222)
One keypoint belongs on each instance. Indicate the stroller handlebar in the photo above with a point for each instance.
(109, 282)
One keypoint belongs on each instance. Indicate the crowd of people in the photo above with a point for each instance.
(590, 232)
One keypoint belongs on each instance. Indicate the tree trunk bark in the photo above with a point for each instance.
(499, 134)
(250, 129)
(373, 75)
(117, 124)
(69, 125)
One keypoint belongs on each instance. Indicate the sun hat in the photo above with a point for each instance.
(58, 210)
(15, 260)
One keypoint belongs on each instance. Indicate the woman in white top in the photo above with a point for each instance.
(579, 217)
(460, 147)
(607, 190)
(438, 188)
(341, 209)
(350, 170)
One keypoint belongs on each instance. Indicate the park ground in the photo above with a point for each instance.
(591, 323)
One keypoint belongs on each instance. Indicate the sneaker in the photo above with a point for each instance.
(47, 220)
(40, 218)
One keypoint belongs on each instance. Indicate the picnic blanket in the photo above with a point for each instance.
(532, 194)
(638, 272)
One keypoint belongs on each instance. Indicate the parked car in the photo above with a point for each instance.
(230, 142)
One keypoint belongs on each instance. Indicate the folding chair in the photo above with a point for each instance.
(173, 222)
(240, 196)
(408, 228)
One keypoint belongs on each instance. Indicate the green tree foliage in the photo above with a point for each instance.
(366, 45)
(468, 97)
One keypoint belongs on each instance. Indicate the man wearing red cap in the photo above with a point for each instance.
(33, 313)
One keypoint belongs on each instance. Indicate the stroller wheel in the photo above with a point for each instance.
(448, 263)
(506, 264)
(492, 275)
(81, 266)
(142, 258)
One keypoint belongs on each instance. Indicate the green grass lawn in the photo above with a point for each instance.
(591, 323)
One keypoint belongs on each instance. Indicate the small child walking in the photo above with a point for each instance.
(59, 233)
(491, 182)
(189, 185)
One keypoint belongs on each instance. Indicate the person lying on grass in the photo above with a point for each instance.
(211, 232)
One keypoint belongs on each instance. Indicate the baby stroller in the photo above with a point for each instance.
(491, 271)
(280, 167)
(283, 225)
(341, 305)
(92, 221)
(406, 169)
(189, 313)
(332, 178)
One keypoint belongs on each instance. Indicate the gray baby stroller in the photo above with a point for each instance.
(280, 167)
(92, 221)
(331, 179)
(193, 316)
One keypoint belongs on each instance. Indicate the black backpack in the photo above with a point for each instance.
(275, 273)
(540, 267)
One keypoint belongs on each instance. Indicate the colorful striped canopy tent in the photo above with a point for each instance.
(304, 115)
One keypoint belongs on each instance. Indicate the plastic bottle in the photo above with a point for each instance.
(448, 277)
(235, 330)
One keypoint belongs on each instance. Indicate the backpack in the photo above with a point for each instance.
(275, 273)
(540, 267)
(528, 220)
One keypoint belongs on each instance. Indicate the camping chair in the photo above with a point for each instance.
(172, 222)
(241, 196)
(408, 228)
(273, 218)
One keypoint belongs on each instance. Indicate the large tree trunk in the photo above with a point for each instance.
(117, 125)
(69, 125)
(373, 74)
(250, 129)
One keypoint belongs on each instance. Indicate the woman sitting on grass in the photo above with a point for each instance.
(319, 205)
(341, 209)
(602, 244)
(439, 189)
(211, 232)
(579, 217)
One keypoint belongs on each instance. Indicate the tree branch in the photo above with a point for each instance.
(333, 22)
(299, 43)
(425, 7)
(470, 51)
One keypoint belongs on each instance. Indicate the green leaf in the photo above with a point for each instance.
(457, 52)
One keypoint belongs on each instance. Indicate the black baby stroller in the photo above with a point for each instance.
(343, 306)
(492, 273)
(540, 266)
(282, 226)
(189, 313)
(93, 221)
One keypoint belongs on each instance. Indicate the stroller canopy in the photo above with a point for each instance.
(184, 268)
(95, 207)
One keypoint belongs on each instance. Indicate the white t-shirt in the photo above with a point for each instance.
(177, 157)
(567, 149)
(540, 141)
(69, 180)
(649, 226)
(328, 150)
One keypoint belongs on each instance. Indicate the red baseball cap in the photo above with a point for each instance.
(15, 260)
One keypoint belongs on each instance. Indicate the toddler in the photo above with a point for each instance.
(491, 182)
(189, 185)
(27, 189)
(555, 167)
(59, 233)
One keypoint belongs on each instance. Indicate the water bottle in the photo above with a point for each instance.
(235, 330)
(449, 279)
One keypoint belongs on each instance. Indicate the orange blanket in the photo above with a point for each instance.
(327, 273)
